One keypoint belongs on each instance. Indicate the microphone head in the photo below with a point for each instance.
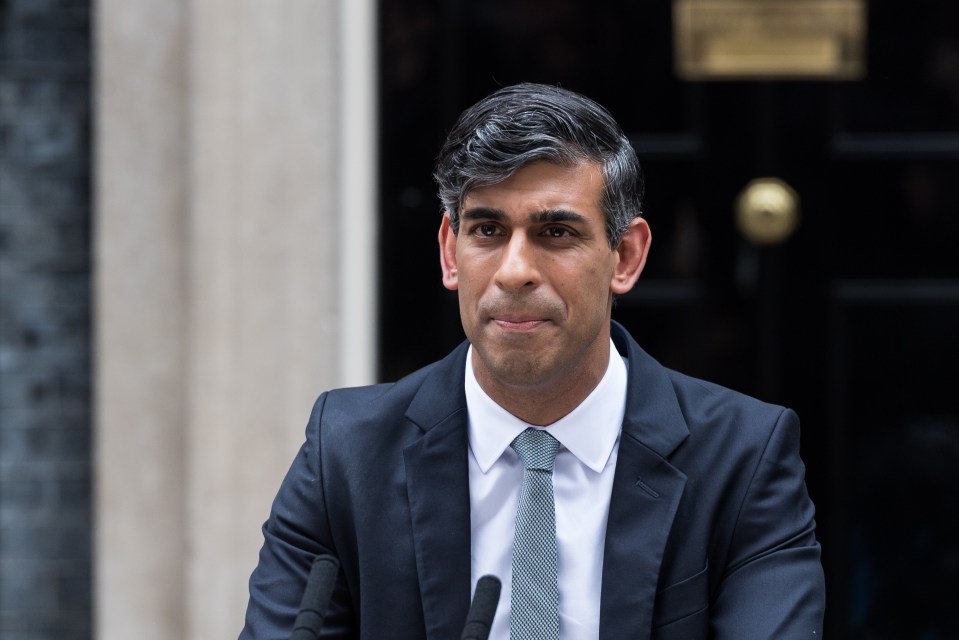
(316, 598)
(483, 609)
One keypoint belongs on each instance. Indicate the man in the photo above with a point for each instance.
(613, 497)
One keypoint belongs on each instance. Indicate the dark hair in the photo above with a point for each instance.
(525, 123)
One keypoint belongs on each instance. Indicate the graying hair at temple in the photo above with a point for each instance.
(526, 123)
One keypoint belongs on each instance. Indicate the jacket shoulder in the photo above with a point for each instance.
(701, 399)
(415, 401)
(357, 405)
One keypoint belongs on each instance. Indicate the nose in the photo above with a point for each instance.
(517, 268)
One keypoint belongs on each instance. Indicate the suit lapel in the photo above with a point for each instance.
(646, 494)
(437, 481)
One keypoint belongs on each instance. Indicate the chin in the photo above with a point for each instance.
(520, 372)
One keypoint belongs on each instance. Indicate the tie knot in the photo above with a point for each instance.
(537, 449)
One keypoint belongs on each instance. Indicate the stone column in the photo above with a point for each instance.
(140, 221)
(221, 311)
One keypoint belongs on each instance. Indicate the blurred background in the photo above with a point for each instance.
(210, 211)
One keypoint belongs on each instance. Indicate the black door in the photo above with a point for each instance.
(853, 319)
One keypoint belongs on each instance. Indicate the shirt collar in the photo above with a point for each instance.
(589, 431)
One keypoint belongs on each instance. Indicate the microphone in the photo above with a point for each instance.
(316, 598)
(483, 609)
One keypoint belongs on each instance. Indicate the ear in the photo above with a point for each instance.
(631, 256)
(447, 240)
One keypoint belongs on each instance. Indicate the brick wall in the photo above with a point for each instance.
(45, 419)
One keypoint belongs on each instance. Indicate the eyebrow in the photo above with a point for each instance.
(558, 215)
(547, 215)
(483, 213)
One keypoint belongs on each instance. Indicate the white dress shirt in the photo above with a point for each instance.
(582, 483)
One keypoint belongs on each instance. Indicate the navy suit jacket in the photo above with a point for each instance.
(710, 534)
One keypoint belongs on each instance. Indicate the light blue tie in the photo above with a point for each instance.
(535, 601)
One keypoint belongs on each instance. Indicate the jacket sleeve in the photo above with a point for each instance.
(296, 532)
(773, 586)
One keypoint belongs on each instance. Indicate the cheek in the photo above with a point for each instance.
(592, 278)
(474, 272)
(470, 289)
(590, 288)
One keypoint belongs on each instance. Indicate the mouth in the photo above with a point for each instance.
(518, 323)
(518, 315)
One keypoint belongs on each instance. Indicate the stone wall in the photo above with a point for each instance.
(45, 363)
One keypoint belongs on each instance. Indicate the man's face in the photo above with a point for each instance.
(535, 275)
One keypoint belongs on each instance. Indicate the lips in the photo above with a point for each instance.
(526, 319)
(520, 313)
(518, 324)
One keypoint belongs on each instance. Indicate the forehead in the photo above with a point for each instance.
(543, 186)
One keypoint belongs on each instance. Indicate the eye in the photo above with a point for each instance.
(557, 232)
(486, 230)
